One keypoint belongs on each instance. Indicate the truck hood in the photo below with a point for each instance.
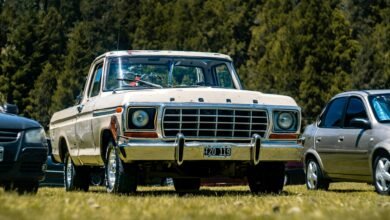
(197, 95)
(9, 121)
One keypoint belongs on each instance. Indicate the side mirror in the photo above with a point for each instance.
(79, 98)
(11, 109)
(361, 123)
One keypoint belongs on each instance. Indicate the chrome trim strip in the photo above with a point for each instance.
(109, 111)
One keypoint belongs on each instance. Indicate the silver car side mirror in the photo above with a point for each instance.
(361, 123)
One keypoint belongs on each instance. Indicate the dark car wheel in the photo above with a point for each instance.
(23, 187)
(314, 176)
(266, 178)
(186, 185)
(120, 177)
(75, 177)
(382, 174)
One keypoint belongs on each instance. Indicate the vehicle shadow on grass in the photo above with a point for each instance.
(349, 190)
(202, 193)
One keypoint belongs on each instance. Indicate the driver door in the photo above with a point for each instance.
(84, 131)
(327, 137)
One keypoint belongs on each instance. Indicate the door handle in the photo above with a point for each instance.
(341, 139)
(318, 139)
(80, 107)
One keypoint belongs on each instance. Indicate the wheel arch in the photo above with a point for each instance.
(62, 148)
(379, 150)
(106, 136)
(312, 154)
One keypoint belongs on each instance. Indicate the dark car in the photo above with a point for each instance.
(23, 152)
(294, 173)
(54, 173)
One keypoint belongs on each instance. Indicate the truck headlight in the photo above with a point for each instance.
(35, 136)
(285, 121)
(140, 118)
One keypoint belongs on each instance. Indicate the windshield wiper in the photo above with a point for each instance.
(141, 81)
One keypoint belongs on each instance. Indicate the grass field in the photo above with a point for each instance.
(342, 201)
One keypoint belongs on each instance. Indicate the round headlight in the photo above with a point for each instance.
(285, 120)
(140, 118)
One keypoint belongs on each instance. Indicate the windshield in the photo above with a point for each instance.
(381, 107)
(141, 73)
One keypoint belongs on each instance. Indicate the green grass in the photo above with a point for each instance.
(342, 201)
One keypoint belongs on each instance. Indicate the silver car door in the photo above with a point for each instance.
(326, 138)
(355, 141)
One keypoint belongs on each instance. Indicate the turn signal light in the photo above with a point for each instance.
(284, 136)
(141, 134)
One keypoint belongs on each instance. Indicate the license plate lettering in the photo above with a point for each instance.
(218, 151)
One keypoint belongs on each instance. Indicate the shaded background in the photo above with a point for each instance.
(307, 49)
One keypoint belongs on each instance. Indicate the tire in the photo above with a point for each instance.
(75, 177)
(120, 178)
(266, 178)
(382, 174)
(23, 187)
(186, 185)
(314, 176)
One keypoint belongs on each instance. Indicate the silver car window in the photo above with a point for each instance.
(333, 114)
(355, 109)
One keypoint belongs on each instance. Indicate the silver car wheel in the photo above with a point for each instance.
(382, 174)
(312, 175)
(111, 169)
(69, 172)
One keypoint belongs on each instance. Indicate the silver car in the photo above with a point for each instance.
(350, 141)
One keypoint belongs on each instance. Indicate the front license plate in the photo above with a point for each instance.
(218, 151)
(1, 153)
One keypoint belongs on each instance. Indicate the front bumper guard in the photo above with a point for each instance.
(180, 150)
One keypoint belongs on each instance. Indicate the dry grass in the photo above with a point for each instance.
(342, 201)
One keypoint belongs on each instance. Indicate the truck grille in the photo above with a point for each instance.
(8, 135)
(214, 122)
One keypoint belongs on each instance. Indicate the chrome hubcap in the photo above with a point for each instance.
(111, 169)
(382, 174)
(69, 172)
(312, 175)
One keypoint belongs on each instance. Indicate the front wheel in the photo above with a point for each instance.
(382, 174)
(314, 176)
(266, 177)
(75, 177)
(120, 177)
(186, 185)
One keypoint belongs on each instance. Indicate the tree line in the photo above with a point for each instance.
(307, 49)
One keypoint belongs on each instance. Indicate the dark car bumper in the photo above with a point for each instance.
(54, 174)
(30, 165)
(294, 173)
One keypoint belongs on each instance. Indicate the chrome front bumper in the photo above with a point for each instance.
(180, 150)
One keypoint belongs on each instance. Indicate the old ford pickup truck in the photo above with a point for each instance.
(174, 114)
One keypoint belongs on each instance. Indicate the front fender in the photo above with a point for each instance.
(313, 153)
(379, 147)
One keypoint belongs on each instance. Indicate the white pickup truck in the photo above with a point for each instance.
(174, 114)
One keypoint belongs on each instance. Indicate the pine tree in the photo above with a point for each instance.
(372, 68)
(91, 37)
